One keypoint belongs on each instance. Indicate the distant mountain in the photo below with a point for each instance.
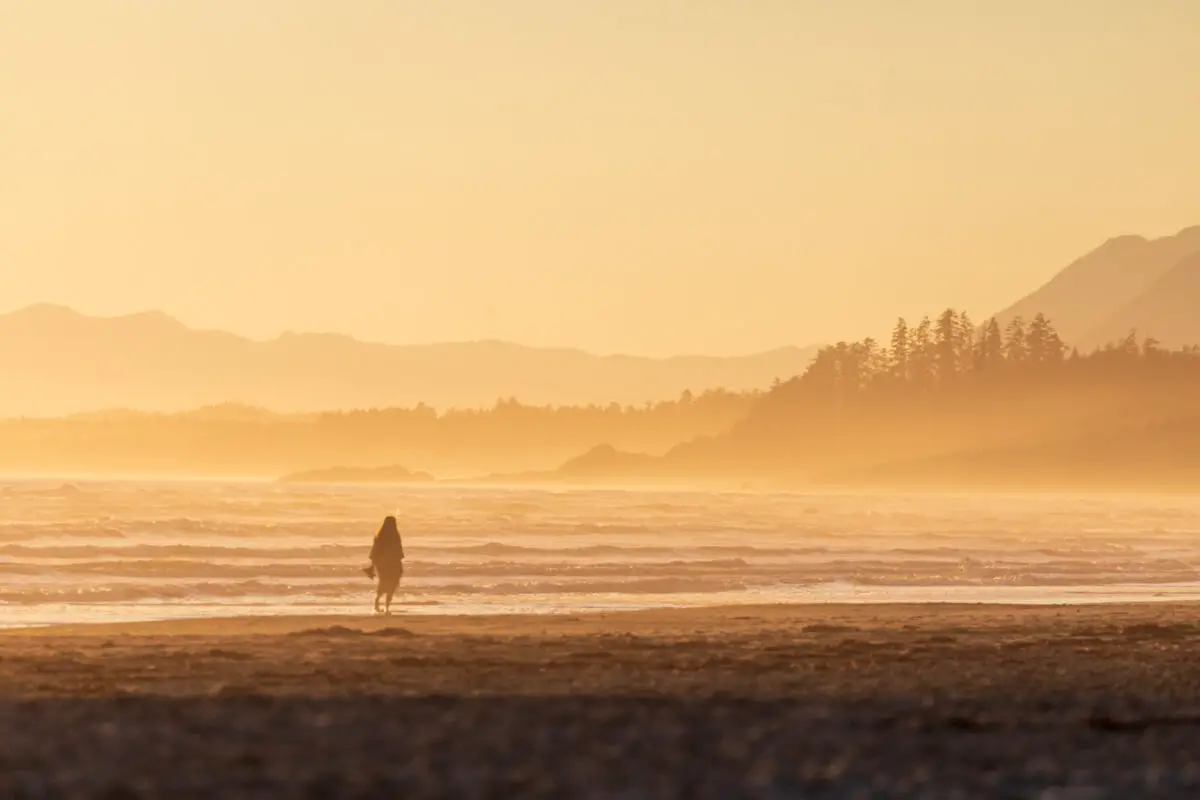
(1091, 291)
(359, 475)
(1169, 310)
(54, 361)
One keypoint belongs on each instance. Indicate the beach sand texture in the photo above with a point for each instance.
(818, 701)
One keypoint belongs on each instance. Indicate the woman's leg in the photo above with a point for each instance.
(392, 586)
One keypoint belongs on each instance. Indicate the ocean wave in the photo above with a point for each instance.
(118, 544)
(327, 592)
(172, 551)
(591, 551)
(16, 532)
(181, 568)
(175, 528)
(494, 559)
(62, 491)
(324, 592)
(114, 549)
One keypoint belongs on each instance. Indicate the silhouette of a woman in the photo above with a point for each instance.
(387, 562)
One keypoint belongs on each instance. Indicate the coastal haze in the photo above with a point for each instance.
(1088, 382)
(791, 400)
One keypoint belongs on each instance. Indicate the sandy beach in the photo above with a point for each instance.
(770, 701)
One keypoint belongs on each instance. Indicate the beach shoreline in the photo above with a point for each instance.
(903, 700)
(659, 621)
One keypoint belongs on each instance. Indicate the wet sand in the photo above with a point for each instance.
(780, 701)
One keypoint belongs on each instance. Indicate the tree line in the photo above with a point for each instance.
(938, 353)
(232, 440)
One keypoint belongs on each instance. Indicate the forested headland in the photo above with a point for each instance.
(946, 402)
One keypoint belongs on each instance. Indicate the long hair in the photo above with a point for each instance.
(387, 546)
(388, 530)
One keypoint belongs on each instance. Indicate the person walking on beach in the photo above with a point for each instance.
(387, 562)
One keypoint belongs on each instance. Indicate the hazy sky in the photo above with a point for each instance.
(647, 176)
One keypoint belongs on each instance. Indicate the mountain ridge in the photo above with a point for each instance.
(45, 310)
(1095, 287)
(1168, 311)
(56, 361)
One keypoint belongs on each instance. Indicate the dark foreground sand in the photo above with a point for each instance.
(798, 701)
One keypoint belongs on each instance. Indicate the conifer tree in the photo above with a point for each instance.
(899, 351)
(990, 351)
(1014, 341)
(920, 353)
(945, 342)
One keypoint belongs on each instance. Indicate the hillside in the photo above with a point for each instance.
(54, 362)
(1169, 310)
(1094, 289)
(957, 409)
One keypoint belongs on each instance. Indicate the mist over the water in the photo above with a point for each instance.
(88, 551)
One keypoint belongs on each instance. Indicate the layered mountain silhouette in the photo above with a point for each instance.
(1112, 419)
(1168, 311)
(54, 361)
(1130, 282)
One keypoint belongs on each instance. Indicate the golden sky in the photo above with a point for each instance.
(646, 176)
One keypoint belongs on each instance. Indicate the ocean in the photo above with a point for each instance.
(109, 551)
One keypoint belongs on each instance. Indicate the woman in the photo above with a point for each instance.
(387, 562)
